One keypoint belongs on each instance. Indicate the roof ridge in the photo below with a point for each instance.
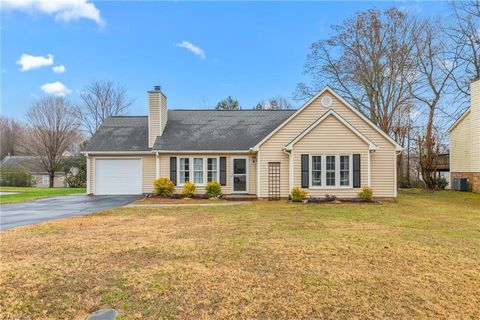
(220, 110)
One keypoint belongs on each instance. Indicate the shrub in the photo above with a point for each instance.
(15, 178)
(366, 194)
(75, 169)
(163, 187)
(441, 183)
(213, 189)
(189, 190)
(298, 194)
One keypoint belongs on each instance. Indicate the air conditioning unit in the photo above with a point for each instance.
(460, 184)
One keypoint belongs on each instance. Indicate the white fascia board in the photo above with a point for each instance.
(206, 151)
(117, 152)
(459, 120)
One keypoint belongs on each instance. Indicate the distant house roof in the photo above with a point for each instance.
(28, 163)
(189, 130)
(125, 133)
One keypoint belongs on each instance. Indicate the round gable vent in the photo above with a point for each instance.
(326, 101)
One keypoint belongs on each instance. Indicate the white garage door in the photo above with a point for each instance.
(118, 176)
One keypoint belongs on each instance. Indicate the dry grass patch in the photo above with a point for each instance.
(418, 258)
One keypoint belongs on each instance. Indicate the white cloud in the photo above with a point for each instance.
(192, 48)
(59, 69)
(56, 88)
(29, 62)
(62, 10)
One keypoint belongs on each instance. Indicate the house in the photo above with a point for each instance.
(326, 147)
(31, 164)
(465, 143)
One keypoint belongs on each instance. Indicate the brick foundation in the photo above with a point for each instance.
(473, 179)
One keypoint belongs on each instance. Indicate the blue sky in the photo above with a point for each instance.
(251, 51)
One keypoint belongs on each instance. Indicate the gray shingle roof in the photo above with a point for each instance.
(218, 129)
(28, 163)
(190, 130)
(125, 133)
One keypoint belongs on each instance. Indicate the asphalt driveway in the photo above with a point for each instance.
(36, 211)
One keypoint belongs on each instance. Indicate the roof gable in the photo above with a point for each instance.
(460, 119)
(348, 105)
(331, 112)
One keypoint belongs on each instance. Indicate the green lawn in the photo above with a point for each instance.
(35, 193)
(418, 258)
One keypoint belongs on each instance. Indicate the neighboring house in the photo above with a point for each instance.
(326, 147)
(31, 164)
(465, 142)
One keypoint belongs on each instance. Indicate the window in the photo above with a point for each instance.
(46, 180)
(212, 173)
(184, 170)
(344, 171)
(198, 170)
(330, 171)
(316, 171)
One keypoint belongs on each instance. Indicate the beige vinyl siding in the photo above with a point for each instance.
(165, 170)
(92, 174)
(382, 161)
(331, 137)
(164, 114)
(148, 173)
(475, 125)
(153, 117)
(148, 169)
(460, 146)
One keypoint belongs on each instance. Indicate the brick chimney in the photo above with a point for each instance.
(475, 123)
(157, 114)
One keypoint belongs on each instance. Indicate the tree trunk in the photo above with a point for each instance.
(52, 179)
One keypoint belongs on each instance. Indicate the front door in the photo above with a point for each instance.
(240, 175)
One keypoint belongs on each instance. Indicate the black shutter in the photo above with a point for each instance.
(223, 171)
(173, 170)
(356, 171)
(304, 169)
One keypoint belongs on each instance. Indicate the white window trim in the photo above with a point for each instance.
(218, 169)
(337, 171)
(46, 179)
(191, 170)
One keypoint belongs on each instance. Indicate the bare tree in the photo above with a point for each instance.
(10, 134)
(100, 100)
(465, 36)
(368, 60)
(52, 130)
(275, 103)
(436, 63)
